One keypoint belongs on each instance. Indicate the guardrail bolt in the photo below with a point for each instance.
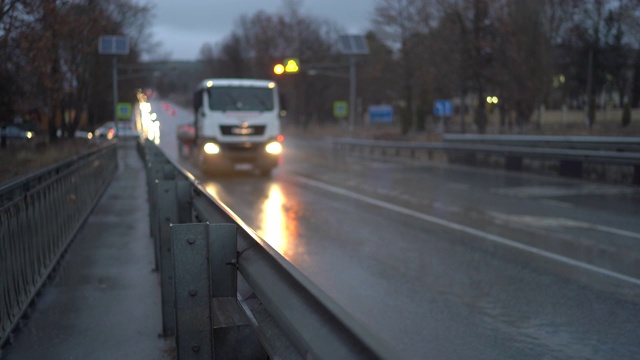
(191, 240)
(195, 347)
(193, 292)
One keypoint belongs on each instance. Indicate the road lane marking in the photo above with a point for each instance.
(465, 229)
(550, 222)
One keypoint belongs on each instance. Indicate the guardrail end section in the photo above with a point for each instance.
(194, 333)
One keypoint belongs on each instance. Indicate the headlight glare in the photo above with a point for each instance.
(211, 148)
(274, 148)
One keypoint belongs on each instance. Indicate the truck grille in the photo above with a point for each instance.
(232, 130)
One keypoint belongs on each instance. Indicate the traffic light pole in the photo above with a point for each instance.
(352, 92)
(115, 93)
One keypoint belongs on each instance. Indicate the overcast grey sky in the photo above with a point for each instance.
(183, 26)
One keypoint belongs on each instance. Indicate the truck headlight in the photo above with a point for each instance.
(211, 148)
(274, 148)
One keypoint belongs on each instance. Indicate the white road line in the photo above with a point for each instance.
(615, 231)
(465, 229)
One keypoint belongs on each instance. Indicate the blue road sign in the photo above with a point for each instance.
(113, 45)
(381, 114)
(443, 108)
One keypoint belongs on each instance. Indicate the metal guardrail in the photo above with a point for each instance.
(570, 160)
(204, 252)
(39, 215)
(613, 143)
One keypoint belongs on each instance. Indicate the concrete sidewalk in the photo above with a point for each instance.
(104, 302)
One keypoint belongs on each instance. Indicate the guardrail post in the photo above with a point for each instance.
(167, 214)
(194, 334)
(185, 209)
(209, 319)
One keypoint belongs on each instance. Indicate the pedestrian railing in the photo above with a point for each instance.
(39, 215)
(570, 161)
(226, 293)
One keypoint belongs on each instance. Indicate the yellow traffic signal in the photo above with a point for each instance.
(292, 66)
(278, 69)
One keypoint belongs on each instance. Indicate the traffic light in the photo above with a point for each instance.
(278, 69)
(289, 66)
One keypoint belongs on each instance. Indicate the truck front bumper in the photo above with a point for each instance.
(240, 156)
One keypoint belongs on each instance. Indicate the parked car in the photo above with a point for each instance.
(77, 134)
(14, 132)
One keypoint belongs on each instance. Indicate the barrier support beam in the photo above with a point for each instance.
(210, 322)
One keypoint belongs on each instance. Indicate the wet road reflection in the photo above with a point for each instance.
(277, 222)
(275, 218)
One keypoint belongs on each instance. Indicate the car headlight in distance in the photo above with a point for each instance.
(274, 148)
(211, 148)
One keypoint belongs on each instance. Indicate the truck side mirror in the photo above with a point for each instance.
(197, 100)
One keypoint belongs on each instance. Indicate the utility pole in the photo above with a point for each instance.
(352, 46)
(590, 113)
(352, 92)
(114, 45)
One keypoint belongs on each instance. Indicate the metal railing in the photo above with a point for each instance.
(610, 143)
(205, 254)
(39, 215)
(570, 161)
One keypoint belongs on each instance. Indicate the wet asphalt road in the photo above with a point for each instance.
(413, 250)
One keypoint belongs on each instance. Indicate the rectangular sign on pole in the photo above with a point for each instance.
(381, 114)
(442, 108)
(113, 45)
(125, 110)
(340, 109)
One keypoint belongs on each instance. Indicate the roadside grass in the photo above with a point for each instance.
(549, 122)
(22, 158)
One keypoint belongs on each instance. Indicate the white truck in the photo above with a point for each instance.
(237, 126)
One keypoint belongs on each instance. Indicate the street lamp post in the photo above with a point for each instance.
(352, 92)
(352, 45)
(114, 45)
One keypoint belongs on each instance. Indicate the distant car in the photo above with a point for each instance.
(77, 134)
(108, 131)
(14, 132)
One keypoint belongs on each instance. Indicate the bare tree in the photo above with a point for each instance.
(524, 69)
(402, 24)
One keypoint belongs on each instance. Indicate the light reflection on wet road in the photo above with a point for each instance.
(432, 291)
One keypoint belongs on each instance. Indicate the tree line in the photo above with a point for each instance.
(51, 75)
(578, 54)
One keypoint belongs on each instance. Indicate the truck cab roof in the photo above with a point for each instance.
(206, 83)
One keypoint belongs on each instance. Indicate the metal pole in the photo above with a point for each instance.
(115, 93)
(587, 119)
(352, 92)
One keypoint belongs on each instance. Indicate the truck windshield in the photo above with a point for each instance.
(240, 98)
